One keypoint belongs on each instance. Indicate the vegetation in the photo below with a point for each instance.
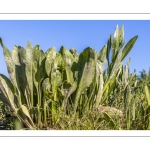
(66, 90)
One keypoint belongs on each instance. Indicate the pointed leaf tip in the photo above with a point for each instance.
(29, 43)
(1, 42)
(128, 47)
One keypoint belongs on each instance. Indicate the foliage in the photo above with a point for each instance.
(67, 90)
(5, 117)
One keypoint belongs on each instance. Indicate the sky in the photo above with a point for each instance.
(78, 34)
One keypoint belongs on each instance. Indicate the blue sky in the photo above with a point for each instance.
(78, 34)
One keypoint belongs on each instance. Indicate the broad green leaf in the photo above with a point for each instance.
(102, 54)
(10, 63)
(121, 35)
(29, 69)
(35, 59)
(109, 82)
(3, 98)
(115, 42)
(69, 90)
(100, 82)
(40, 74)
(116, 64)
(74, 65)
(60, 62)
(22, 55)
(75, 54)
(50, 56)
(126, 72)
(35, 75)
(46, 85)
(68, 59)
(38, 69)
(20, 69)
(56, 81)
(72, 89)
(128, 47)
(56, 77)
(108, 87)
(23, 112)
(26, 112)
(111, 86)
(7, 90)
(18, 57)
(15, 55)
(86, 69)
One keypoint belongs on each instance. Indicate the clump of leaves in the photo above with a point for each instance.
(47, 89)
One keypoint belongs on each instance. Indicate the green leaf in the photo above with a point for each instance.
(56, 77)
(115, 42)
(74, 54)
(29, 69)
(10, 63)
(36, 67)
(60, 62)
(86, 68)
(121, 35)
(46, 85)
(108, 49)
(18, 57)
(133, 108)
(100, 82)
(20, 69)
(40, 74)
(50, 56)
(128, 119)
(68, 59)
(102, 54)
(109, 120)
(68, 90)
(116, 64)
(125, 76)
(23, 112)
(127, 98)
(7, 91)
(147, 93)
(15, 55)
(128, 47)
(108, 87)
